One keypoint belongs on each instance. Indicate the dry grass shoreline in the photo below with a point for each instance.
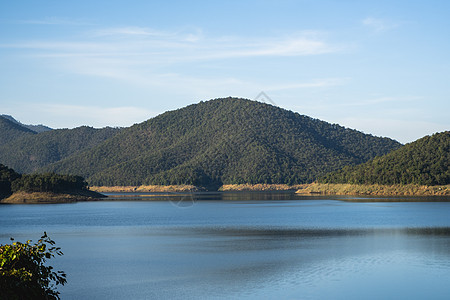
(259, 187)
(47, 197)
(145, 189)
(192, 188)
(303, 189)
(374, 190)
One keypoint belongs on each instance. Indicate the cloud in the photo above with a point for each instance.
(378, 25)
(403, 118)
(131, 31)
(296, 45)
(54, 21)
(147, 43)
(150, 58)
(64, 115)
(317, 83)
(184, 35)
(404, 131)
(386, 101)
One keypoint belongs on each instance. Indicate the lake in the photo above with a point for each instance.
(244, 246)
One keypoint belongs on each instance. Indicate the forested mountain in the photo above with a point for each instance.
(30, 152)
(36, 128)
(10, 131)
(424, 162)
(224, 141)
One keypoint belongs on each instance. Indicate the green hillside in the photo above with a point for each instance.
(29, 152)
(10, 131)
(224, 141)
(423, 162)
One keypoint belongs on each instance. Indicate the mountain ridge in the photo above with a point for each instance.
(30, 152)
(36, 128)
(9, 131)
(225, 140)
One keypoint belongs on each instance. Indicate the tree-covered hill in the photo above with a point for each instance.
(224, 141)
(30, 152)
(10, 131)
(423, 162)
(42, 188)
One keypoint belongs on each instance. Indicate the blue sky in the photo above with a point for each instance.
(382, 67)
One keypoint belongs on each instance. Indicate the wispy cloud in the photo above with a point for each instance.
(182, 35)
(54, 21)
(58, 115)
(368, 102)
(157, 58)
(180, 45)
(132, 31)
(317, 83)
(379, 25)
(96, 116)
(405, 131)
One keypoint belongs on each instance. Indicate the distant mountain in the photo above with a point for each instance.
(223, 141)
(10, 131)
(424, 162)
(30, 152)
(36, 128)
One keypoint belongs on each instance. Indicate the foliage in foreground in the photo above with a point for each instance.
(23, 273)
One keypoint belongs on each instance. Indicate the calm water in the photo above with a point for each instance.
(245, 246)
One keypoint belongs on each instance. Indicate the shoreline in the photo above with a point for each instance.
(192, 188)
(373, 190)
(51, 197)
(145, 189)
(300, 189)
(312, 189)
(260, 187)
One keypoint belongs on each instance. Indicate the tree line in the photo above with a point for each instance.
(11, 182)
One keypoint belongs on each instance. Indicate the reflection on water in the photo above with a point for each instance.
(260, 246)
(258, 196)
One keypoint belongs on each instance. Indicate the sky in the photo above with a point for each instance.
(381, 67)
